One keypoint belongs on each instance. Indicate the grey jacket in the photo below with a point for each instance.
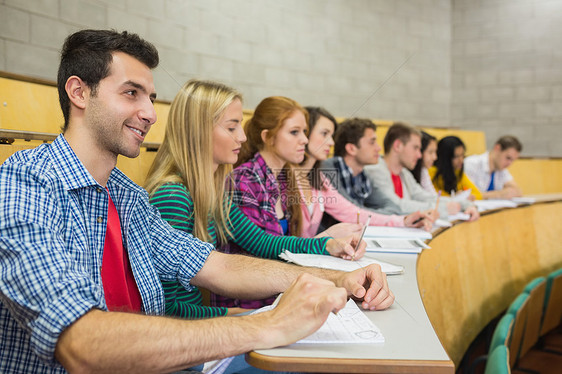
(377, 201)
(415, 197)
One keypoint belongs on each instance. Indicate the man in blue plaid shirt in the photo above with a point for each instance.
(64, 206)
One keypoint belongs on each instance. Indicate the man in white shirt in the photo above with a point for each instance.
(489, 171)
(402, 147)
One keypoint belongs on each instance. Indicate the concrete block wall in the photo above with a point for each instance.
(491, 65)
(507, 71)
(375, 58)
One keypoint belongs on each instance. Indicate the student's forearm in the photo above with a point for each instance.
(507, 192)
(122, 342)
(248, 277)
(255, 278)
(492, 195)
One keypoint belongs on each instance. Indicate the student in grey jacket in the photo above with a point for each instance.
(402, 146)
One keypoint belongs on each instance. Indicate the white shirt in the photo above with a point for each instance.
(477, 167)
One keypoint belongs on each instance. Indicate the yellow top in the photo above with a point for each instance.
(463, 184)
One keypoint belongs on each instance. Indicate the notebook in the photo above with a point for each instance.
(336, 263)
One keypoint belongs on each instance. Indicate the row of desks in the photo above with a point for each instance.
(437, 312)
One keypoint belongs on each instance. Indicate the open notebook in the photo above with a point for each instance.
(396, 232)
(491, 204)
(395, 245)
(349, 325)
(336, 263)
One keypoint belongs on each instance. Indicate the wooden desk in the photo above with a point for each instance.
(411, 345)
(473, 271)
(468, 277)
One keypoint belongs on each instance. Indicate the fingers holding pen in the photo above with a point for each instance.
(348, 248)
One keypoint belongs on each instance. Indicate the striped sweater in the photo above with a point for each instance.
(176, 207)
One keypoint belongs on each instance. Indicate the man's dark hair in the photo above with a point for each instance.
(509, 141)
(350, 131)
(88, 55)
(400, 131)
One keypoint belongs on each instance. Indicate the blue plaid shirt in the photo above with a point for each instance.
(53, 218)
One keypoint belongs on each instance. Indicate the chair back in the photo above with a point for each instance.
(535, 305)
(502, 332)
(552, 315)
(518, 309)
(498, 362)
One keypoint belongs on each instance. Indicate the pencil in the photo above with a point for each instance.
(367, 223)
(358, 214)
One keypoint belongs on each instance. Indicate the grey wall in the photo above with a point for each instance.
(412, 60)
(507, 71)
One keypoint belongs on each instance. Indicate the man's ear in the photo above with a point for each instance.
(397, 145)
(351, 149)
(77, 91)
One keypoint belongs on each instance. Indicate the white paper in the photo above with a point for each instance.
(484, 205)
(350, 325)
(524, 200)
(336, 263)
(460, 216)
(439, 222)
(461, 195)
(396, 232)
(217, 366)
(395, 245)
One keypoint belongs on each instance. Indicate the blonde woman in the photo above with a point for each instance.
(186, 183)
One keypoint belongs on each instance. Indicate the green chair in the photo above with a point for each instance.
(498, 361)
(536, 290)
(502, 332)
(501, 336)
(531, 359)
(552, 315)
(518, 309)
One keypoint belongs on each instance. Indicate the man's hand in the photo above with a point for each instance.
(368, 284)
(472, 211)
(510, 192)
(347, 247)
(303, 308)
(453, 207)
(421, 219)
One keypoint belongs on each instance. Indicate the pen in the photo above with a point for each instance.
(361, 237)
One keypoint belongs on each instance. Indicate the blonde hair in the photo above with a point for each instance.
(270, 114)
(186, 155)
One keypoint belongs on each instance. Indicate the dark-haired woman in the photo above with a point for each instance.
(447, 175)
